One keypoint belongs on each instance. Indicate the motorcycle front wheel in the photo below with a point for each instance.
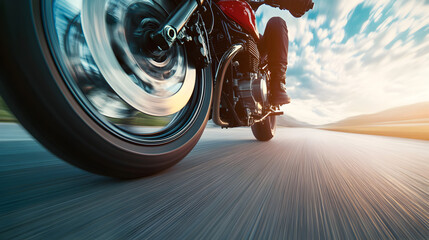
(76, 76)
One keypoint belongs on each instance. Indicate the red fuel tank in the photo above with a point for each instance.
(242, 13)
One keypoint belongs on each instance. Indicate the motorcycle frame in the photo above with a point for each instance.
(167, 34)
(221, 67)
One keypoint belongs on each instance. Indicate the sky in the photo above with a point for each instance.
(352, 57)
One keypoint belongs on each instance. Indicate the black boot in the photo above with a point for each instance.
(278, 85)
(279, 95)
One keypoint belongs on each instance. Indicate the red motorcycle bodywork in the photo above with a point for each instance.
(242, 13)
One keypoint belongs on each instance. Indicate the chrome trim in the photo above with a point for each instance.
(154, 98)
(220, 77)
(166, 34)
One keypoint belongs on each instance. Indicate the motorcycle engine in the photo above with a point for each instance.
(250, 83)
(252, 91)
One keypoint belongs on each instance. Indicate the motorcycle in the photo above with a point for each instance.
(125, 88)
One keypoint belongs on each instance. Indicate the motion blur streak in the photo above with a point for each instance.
(305, 184)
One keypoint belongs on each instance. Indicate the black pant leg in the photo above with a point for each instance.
(275, 44)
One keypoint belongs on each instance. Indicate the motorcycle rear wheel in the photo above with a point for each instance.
(265, 130)
(57, 84)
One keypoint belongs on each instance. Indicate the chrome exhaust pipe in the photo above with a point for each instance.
(165, 36)
(220, 77)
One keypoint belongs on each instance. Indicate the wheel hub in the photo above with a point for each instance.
(158, 84)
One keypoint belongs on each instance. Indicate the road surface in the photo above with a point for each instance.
(304, 184)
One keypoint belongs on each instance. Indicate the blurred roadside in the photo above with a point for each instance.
(5, 114)
(135, 120)
(411, 121)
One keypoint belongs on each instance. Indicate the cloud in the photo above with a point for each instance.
(322, 33)
(342, 64)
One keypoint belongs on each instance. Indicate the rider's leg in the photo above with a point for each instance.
(275, 43)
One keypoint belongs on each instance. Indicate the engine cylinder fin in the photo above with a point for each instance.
(249, 59)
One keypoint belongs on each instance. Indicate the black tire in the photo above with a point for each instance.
(34, 89)
(265, 130)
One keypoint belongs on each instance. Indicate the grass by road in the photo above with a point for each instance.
(403, 131)
(5, 114)
(139, 119)
(416, 128)
(409, 121)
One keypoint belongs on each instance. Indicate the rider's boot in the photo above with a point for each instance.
(278, 86)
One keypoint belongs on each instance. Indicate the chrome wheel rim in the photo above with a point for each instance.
(155, 87)
(143, 105)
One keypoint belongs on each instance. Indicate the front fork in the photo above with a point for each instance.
(165, 36)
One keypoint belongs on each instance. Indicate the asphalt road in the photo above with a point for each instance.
(304, 184)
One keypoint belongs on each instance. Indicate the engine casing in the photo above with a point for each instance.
(253, 92)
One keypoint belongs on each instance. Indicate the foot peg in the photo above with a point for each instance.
(277, 113)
